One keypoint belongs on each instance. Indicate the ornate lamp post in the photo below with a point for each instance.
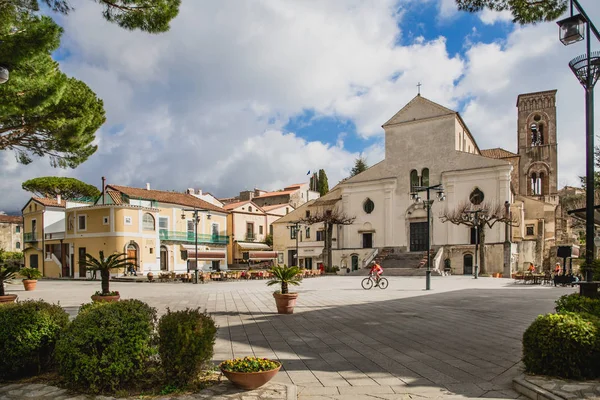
(427, 204)
(196, 221)
(586, 69)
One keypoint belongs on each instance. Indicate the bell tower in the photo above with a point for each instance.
(536, 136)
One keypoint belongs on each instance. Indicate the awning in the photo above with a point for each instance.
(253, 246)
(310, 251)
(207, 255)
(263, 255)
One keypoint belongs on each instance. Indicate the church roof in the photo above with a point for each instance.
(375, 172)
(498, 153)
(406, 114)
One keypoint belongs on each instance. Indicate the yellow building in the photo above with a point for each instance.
(154, 227)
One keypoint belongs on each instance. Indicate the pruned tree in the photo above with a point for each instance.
(523, 11)
(329, 219)
(360, 165)
(151, 16)
(489, 215)
(68, 188)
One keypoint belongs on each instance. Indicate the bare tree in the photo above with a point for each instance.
(489, 215)
(329, 218)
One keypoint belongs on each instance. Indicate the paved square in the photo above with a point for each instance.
(460, 340)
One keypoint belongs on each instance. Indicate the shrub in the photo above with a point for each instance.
(28, 333)
(578, 304)
(249, 364)
(186, 340)
(107, 346)
(564, 345)
(30, 273)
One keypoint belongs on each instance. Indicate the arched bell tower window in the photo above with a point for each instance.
(425, 177)
(541, 134)
(535, 140)
(414, 179)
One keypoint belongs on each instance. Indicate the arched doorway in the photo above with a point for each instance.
(355, 263)
(468, 264)
(132, 253)
(164, 258)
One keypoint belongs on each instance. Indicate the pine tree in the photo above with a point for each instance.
(323, 185)
(68, 188)
(360, 165)
(523, 11)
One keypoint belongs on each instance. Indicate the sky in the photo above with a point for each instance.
(254, 94)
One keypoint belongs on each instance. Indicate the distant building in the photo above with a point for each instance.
(11, 233)
(295, 195)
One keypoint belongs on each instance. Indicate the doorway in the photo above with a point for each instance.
(216, 265)
(367, 240)
(468, 264)
(355, 263)
(164, 258)
(82, 270)
(33, 261)
(308, 263)
(418, 236)
(132, 253)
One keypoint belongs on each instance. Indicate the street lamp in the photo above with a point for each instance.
(473, 215)
(196, 221)
(296, 229)
(427, 204)
(586, 69)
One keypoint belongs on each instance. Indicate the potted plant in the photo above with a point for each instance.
(104, 265)
(31, 276)
(285, 276)
(8, 269)
(150, 276)
(249, 372)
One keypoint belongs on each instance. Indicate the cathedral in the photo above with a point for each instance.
(428, 144)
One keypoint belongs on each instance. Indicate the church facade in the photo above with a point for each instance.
(427, 144)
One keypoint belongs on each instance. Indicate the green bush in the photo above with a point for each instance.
(107, 346)
(186, 340)
(578, 304)
(28, 333)
(564, 345)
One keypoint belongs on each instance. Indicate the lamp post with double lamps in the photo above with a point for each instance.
(196, 220)
(473, 215)
(587, 70)
(427, 204)
(295, 228)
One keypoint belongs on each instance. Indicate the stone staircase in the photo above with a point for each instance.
(399, 262)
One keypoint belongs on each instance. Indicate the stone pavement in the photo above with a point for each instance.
(222, 391)
(460, 340)
(541, 387)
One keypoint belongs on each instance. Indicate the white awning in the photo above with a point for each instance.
(310, 251)
(253, 246)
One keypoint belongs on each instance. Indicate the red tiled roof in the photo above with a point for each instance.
(49, 202)
(11, 219)
(231, 206)
(115, 196)
(497, 153)
(272, 194)
(182, 199)
(275, 206)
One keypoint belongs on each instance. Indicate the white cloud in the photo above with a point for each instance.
(490, 17)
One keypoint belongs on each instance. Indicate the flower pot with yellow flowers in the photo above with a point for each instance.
(249, 372)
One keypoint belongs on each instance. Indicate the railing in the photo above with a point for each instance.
(189, 237)
(29, 237)
(370, 257)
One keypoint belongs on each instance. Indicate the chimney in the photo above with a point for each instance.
(58, 199)
(190, 191)
(199, 192)
(147, 186)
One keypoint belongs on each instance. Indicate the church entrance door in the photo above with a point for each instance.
(468, 264)
(367, 240)
(418, 236)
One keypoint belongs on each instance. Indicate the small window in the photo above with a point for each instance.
(287, 210)
(148, 222)
(18, 245)
(151, 250)
(18, 229)
(81, 222)
(307, 214)
(292, 232)
(104, 220)
(271, 230)
(250, 208)
(128, 221)
(425, 177)
(368, 206)
(414, 179)
(320, 236)
(163, 223)
(260, 229)
(308, 232)
(530, 230)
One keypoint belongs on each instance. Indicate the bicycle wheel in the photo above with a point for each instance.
(367, 283)
(383, 283)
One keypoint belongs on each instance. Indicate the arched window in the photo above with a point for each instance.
(533, 183)
(541, 134)
(425, 177)
(534, 135)
(368, 206)
(148, 222)
(18, 245)
(541, 183)
(414, 179)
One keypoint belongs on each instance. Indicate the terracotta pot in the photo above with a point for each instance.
(106, 298)
(285, 302)
(29, 284)
(250, 380)
(9, 298)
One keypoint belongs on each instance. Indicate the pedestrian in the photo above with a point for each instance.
(557, 269)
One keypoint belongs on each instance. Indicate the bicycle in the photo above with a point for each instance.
(370, 280)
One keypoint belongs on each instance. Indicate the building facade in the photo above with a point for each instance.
(11, 233)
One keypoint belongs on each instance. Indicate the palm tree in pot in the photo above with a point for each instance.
(285, 276)
(8, 269)
(105, 265)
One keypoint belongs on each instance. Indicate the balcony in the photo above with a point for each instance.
(188, 237)
(30, 237)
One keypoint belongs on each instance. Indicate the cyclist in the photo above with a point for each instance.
(377, 270)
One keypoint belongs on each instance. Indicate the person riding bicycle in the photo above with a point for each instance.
(377, 270)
